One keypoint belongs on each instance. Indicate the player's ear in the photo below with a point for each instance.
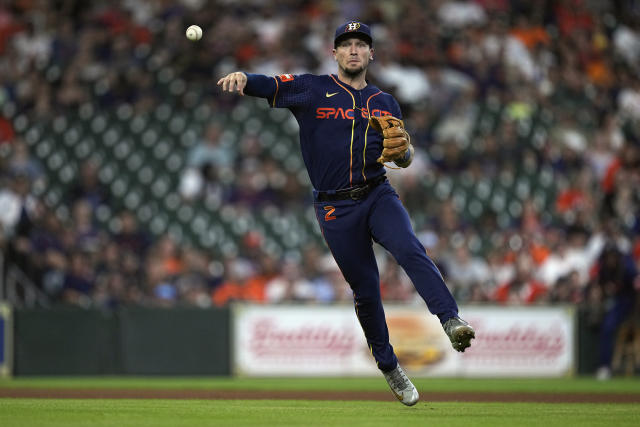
(334, 55)
(371, 54)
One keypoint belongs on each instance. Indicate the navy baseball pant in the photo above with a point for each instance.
(349, 228)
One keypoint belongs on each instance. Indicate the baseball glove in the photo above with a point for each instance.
(396, 139)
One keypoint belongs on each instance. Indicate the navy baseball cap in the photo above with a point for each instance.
(353, 29)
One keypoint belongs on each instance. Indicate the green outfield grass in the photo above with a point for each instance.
(165, 412)
(559, 385)
(142, 413)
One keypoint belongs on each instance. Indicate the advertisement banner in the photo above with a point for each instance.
(519, 341)
(270, 340)
(6, 348)
(510, 341)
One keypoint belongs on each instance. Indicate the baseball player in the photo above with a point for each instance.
(348, 130)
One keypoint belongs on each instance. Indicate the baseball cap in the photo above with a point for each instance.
(351, 29)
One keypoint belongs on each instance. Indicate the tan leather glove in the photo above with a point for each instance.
(396, 140)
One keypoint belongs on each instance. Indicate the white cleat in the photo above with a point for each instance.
(460, 333)
(401, 387)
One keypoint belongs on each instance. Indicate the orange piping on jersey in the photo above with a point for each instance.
(273, 104)
(353, 125)
(364, 159)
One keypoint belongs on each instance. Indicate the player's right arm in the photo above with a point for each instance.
(233, 81)
(283, 91)
(253, 84)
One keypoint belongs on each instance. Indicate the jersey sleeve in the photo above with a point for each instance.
(260, 86)
(395, 108)
(283, 91)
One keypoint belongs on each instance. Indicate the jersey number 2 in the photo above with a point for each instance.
(329, 215)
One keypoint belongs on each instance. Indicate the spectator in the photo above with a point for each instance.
(130, 239)
(523, 288)
(79, 282)
(456, 14)
(290, 285)
(616, 276)
(524, 116)
(22, 163)
(89, 187)
(18, 204)
(465, 272)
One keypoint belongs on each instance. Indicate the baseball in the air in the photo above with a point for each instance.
(194, 33)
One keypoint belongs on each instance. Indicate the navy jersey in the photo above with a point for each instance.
(338, 146)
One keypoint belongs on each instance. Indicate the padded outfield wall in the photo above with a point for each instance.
(291, 340)
(135, 341)
(6, 340)
(316, 340)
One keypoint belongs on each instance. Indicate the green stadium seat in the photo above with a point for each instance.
(146, 175)
(277, 115)
(135, 161)
(122, 150)
(475, 209)
(158, 224)
(66, 174)
(33, 135)
(107, 173)
(523, 187)
(83, 149)
(443, 188)
(133, 199)
(177, 124)
(138, 125)
(9, 109)
(203, 113)
(98, 124)
(44, 148)
(56, 160)
(190, 137)
(103, 214)
(119, 187)
(498, 201)
(515, 208)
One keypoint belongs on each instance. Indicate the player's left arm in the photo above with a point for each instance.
(408, 156)
(405, 160)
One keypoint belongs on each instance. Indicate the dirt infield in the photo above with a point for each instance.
(50, 393)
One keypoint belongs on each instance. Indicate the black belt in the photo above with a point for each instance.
(358, 192)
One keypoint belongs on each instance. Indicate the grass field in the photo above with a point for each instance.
(265, 412)
(560, 385)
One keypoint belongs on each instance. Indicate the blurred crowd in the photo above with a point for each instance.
(578, 60)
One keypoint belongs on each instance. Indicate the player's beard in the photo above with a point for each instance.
(353, 73)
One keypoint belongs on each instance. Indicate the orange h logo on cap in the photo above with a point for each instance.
(353, 26)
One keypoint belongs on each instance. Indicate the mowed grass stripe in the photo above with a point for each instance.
(384, 396)
(107, 413)
(553, 385)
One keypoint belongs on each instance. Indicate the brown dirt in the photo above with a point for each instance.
(315, 395)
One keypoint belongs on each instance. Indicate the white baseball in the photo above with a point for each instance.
(194, 32)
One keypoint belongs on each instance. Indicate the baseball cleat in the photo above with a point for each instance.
(401, 387)
(460, 333)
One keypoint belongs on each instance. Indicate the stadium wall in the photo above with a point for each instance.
(6, 340)
(191, 341)
(135, 341)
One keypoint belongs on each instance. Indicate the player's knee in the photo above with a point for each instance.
(406, 255)
(366, 300)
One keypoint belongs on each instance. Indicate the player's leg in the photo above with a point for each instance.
(345, 231)
(349, 240)
(391, 227)
(610, 323)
